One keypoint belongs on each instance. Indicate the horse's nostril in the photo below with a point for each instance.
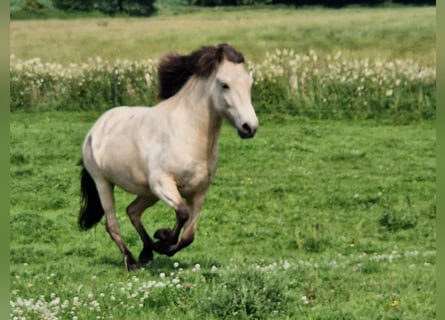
(246, 131)
(247, 128)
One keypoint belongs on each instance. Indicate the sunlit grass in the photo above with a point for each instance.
(383, 33)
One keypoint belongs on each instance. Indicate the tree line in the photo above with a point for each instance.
(327, 3)
(110, 7)
(147, 7)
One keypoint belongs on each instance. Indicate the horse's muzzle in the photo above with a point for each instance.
(246, 131)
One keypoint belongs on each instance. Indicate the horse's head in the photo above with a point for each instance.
(231, 97)
(223, 66)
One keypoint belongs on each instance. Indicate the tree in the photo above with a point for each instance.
(111, 7)
(136, 7)
(73, 5)
(211, 3)
(342, 3)
(32, 6)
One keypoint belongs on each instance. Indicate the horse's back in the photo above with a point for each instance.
(112, 148)
(114, 130)
(118, 119)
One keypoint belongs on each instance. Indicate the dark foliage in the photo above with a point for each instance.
(72, 5)
(326, 3)
(32, 6)
(110, 7)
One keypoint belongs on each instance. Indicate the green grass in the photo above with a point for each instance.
(386, 33)
(308, 220)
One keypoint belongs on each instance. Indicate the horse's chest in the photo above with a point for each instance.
(191, 168)
(194, 178)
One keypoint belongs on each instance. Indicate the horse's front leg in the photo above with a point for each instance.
(165, 189)
(188, 222)
(170, 236)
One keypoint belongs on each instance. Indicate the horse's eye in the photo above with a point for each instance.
(225, 86)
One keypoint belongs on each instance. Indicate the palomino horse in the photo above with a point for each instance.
(168, 151)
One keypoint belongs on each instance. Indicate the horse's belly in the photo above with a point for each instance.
(138, 189)
(129, 179)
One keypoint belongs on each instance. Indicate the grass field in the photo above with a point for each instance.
(357, 32)
(309, 220)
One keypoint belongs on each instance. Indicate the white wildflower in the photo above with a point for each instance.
(197, 267)
(304, 299)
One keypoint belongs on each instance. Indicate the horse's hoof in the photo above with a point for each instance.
(163, 234)
(130, 263)
(164, 248)
(160, 247)
(146, 255)
(130, 266)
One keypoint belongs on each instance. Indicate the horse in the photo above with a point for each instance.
(168, 151)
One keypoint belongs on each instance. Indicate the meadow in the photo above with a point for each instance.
(309, 220)
(320, 216)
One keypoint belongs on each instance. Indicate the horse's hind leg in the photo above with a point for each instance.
(105, 190)
(134, 211)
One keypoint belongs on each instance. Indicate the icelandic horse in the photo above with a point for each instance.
(168, 151)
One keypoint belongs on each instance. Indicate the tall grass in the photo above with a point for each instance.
(287, 83)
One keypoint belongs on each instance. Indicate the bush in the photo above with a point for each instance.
(32, 6)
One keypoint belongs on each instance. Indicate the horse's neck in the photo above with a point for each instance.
(196, 106)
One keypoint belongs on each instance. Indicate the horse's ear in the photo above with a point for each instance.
(220, 52)
(206, 60)
(231, 54)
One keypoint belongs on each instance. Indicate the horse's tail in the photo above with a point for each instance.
(91, 210)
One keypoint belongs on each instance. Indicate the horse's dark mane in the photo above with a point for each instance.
(174, 70)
